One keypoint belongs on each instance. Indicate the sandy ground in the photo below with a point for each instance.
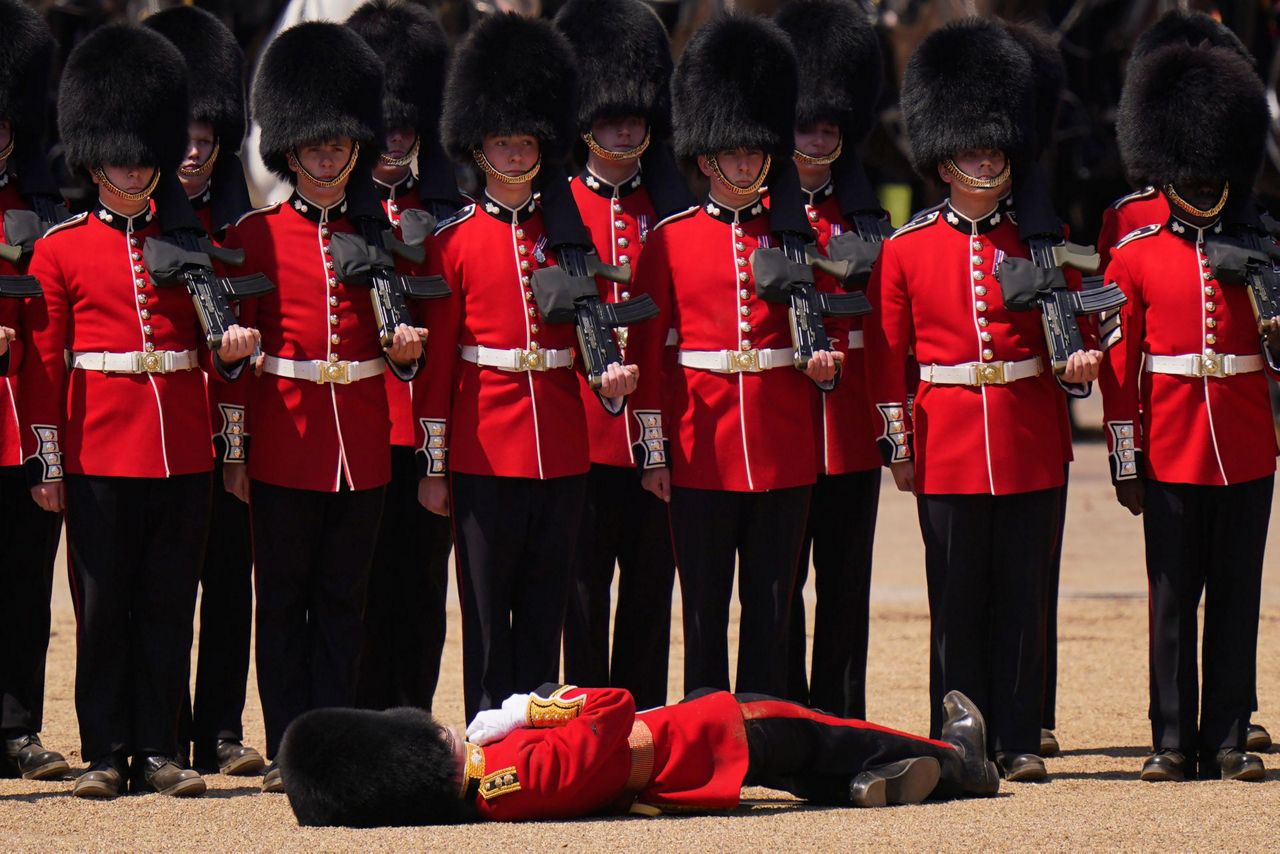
(1094, 799)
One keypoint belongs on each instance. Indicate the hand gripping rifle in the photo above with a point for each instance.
(851, 255)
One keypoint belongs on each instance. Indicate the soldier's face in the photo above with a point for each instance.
(325, 159)
(619, 134)
(399, 142)
(511, 155)
(980, 162)
(131, 179)
(816, 140)
(200, 138)
(741, 167)
(1202, 193)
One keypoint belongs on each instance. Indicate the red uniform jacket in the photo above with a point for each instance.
(98, 297)
(10, 309)
(741, 432)
(1201, 430)
(484, 420)
(936, 300)
(1126, 214)
(309, 435)
(397, 198)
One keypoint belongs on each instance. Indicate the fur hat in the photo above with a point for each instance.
(1193, 28)
(215, 67)
(317, 80)
(840, 62)
(1048, 79)
(735, 87)
(26, 61)
(512, 75)
(359, 768)
(624, 61)
(1192, 112)
(967, 85)
(123, 100)
(415, 53)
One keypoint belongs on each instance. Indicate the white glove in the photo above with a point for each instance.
(496, 724)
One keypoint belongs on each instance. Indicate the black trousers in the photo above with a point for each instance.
(840, 536)
(515, 538)
(404, 622)
(135, 547)
(1049, 715)
(627, 525)
(987, 560)
(764, 531)
(312, 554)
(1204, 540)
(29, 542)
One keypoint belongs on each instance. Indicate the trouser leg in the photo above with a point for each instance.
(586, 624)
(704, 529)
(1049, 717)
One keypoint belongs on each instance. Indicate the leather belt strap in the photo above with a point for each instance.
(855, 339)
(1198, 365)
(738, 361)
(982, 373)
(517, 360)
(137, 362)
(339, 373)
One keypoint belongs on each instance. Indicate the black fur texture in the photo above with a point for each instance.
(1192, 112)
(1049, 79)
(123, 100)
(512, 75)
(735, 87)
(358, 768)
(317, 81)
(624, 61)
(26, 61)
(840, 64)
(967, 85)
(415, 54)
(215, 66)
(1193, 28)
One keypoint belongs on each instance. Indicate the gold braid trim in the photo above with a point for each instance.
(1192, 209)
(499, 783)
(503, 177)
(204, 168)
(554, 711)
(401, 162)
(823, 160)
(473, 769)
(132, 197)
(604, 153)
(8, 149)
(734, 188)
(336, 180)
(975, 182)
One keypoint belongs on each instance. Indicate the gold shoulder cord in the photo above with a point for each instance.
(1187, 207)
(734, 188)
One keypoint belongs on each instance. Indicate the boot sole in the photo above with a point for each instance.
(189, 788)
(44, 772)
(1251, 775)
(1029, 774)
(908, 781)
(245, 766)
(1160, 775)
(273, 787)
(95, 791)
(1258, 743)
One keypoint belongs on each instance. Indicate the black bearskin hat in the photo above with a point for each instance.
(512, 75)
(26, 61)
(317, 81)
(215, 67)
(840, 64)
(624, 61)
(1048, 79)
(967, 85)
(415, 53)
(123, 100)
(358, 768)
(1193, 28)
(1192, 112)
(735, 87)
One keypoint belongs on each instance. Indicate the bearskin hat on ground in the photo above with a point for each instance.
(1193, 28)
(1192, 112)
(317, 81)
(967, 85)
(26, 60)
(415, 55)
(624, 61)
(735, 87)
(215, 66)
(123, 100)
(359, 768)
(840, 64)
(512, 75)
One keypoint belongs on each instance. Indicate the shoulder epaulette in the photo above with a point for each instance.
(261, 210)
(916, 224)
(1139, 195)
(675, 216)
(1137, 234)
(462, 215)
(68, 223)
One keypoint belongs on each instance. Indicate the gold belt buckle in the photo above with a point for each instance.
(746, 361)
(992, 374)
(335, 372)
(152, 362)
(531, 360)
(1211, 366)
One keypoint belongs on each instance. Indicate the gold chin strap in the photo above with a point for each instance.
(604, 153)
(734, 188)
(8, 149)
(823, 160)
(101, 175)
(204, 168)
(975, 182)
(490, 169)
(333, 182)
(401, 162)
(1187, 207)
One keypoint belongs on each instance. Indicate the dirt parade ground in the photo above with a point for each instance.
(1093, 799)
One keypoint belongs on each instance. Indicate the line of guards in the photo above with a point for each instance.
(475, 424)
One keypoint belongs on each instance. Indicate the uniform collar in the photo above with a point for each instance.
(1192, 233)
(5, 176)
(201, 200)
(724, 213)
(123, 222)
(396, 189)
(315, 212)
(820, 195)
(982, 225)
(498, 210)
(601, 187)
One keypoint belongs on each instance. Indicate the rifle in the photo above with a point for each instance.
(1245, 259)
(851, 255)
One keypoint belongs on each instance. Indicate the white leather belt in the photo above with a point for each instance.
(155, 362)
(981, 373)
(855, 339)
(517, 360)
(1198, 365)
(316, 371)
(738, 361)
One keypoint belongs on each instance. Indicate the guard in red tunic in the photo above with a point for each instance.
(624, 71)
(213, 179)
(986, 456)
(1186, 408)
(317, 412)
(115, 417)
(404, 617)
(840, 70)
(28, 534)
(564, 752)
